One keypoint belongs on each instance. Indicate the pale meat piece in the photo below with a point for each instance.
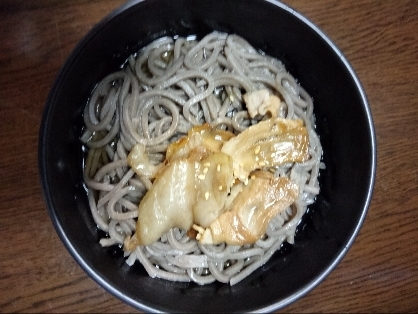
(214, 179)
(269, 143)
(166, 205)
(202, 138)
(138, 160)
(260, 102)
(191, 188)
(246, 221)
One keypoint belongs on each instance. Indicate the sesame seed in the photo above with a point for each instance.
(262, 163)
(253, 177)
(246, 181)
(257, 150)
(220, 188)
(273, 154)
(218, 168)
(198, 236)
(206, 195)
(205, 170)
(201, 177)
(206, 164)
(256, 158)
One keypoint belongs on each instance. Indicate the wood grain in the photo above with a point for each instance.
(380, 271)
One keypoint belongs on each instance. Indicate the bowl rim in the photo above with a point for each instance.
(106, 284)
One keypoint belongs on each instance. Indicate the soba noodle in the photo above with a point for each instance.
(156, 97)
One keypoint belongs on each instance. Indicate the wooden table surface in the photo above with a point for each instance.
(380, 271)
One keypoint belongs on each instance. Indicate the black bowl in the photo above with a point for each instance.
(343, 121)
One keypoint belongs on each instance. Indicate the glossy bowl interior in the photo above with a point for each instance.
(343, 122)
